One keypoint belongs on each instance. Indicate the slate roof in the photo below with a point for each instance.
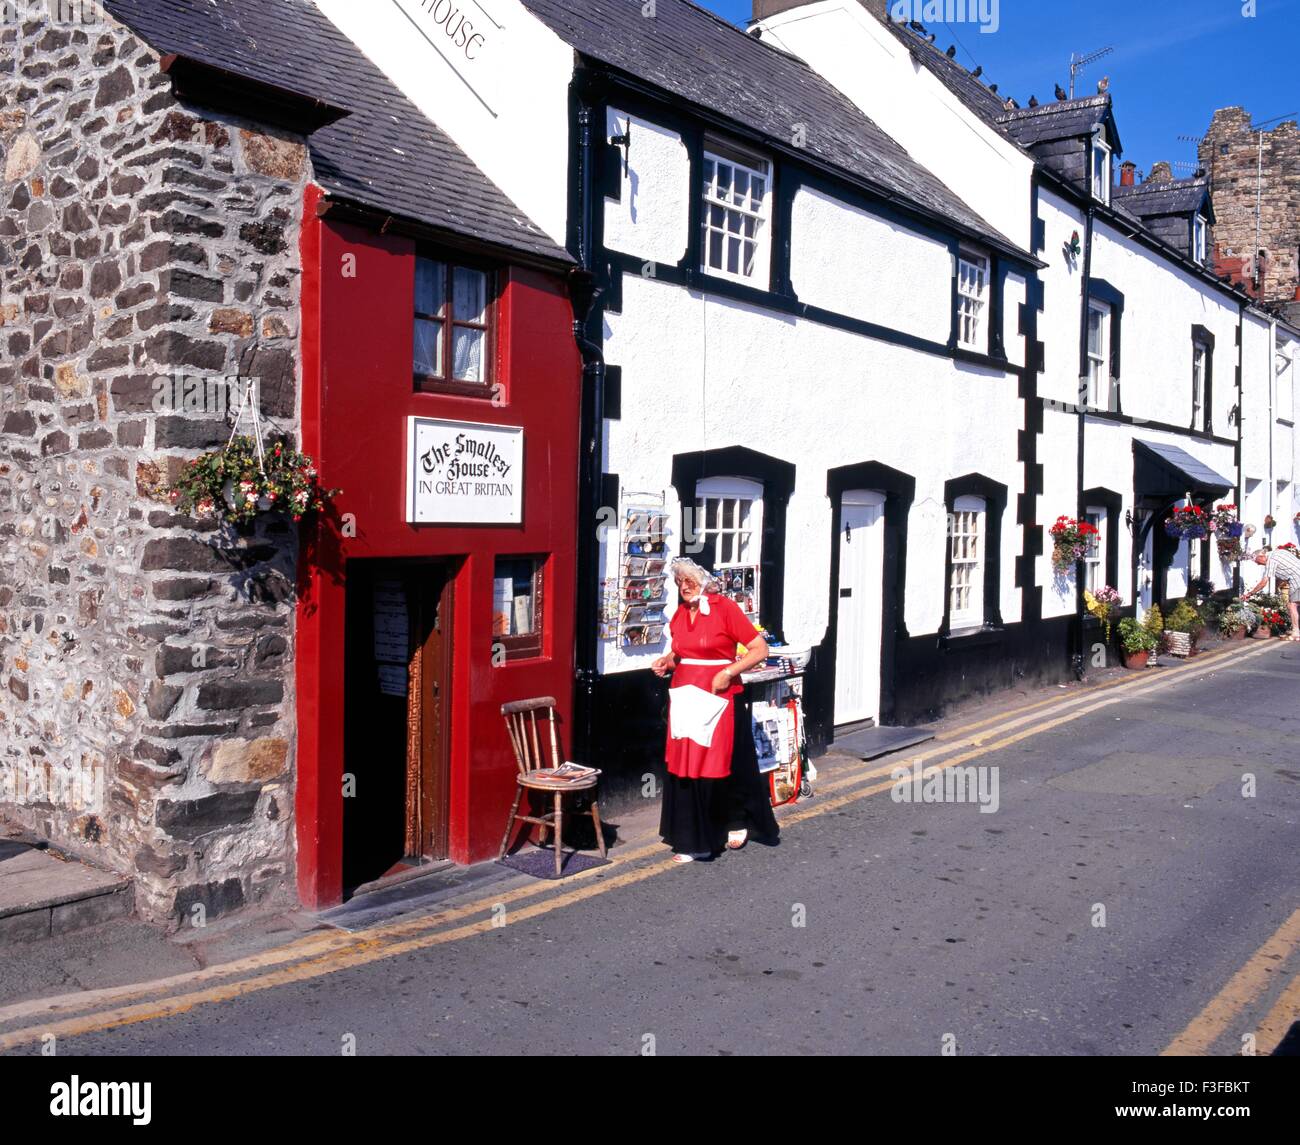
(385, 154)
(1176, 197)
(698, 57)
(1048, 122)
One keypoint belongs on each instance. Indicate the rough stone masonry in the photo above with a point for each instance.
(146, 703)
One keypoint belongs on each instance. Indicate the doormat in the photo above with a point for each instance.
(872, 743)
(541, 864)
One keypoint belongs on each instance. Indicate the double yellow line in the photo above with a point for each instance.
(318, 954)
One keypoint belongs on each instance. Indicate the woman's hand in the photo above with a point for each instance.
(722, 681)
(664, 665)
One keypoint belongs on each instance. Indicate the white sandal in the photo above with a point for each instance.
(737, 839)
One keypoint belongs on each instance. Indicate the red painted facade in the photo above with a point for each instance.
(357, 393)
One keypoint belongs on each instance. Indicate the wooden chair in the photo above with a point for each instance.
(522, 720)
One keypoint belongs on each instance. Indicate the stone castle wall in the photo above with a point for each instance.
(146, 686)
(1230, 152)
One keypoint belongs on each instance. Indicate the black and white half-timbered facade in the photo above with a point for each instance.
(857, 329)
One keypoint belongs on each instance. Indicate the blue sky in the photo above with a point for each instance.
(1174, 63)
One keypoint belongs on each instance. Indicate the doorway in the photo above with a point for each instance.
(397, 675)
(860, 612)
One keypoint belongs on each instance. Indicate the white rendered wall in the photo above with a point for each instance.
(1062, 279)
(847, 260)
(1161, 304)
(651, 217)
(703, 372)
(850, 49)
(506, 108)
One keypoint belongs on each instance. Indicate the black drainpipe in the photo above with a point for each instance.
(1241, 483)
(1080, 659)
(587, 331)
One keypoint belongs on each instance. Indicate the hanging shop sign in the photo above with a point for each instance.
(464, 473)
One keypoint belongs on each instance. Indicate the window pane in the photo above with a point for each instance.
(715, 249)
(430, 279)
(740, 189)
(467, 350)
(733, 256)
(514, 598)
(710, 513)
(469, 289)
(428, 348)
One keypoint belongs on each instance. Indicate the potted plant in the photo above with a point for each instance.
(1102, 603)
(1137, 642)
(1270, 522)
(1182, 626)
(1236, 621)
(1071, 540)
(240, 482)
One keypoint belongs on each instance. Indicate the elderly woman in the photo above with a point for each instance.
(714, 794)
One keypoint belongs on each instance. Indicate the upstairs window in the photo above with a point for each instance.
(966, 540)
(453, 320)
(1100, 170)
(972, 301)
(1101, 386)
(1199, 239)
(736, 214)
(1199, 359)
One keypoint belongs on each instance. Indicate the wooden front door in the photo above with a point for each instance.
(396, 733)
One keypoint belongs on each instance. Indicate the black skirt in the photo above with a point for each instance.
(697, 813)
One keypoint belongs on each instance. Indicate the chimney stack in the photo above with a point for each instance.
(1160, 173)
(1127, 173)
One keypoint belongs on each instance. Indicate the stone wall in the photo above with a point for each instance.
(146, 685)
(1230, 152)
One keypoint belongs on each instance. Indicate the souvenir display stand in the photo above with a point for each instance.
(775, 692)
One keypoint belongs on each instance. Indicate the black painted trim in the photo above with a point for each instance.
(613, 393)
(900, 491)
(1099, 290)
(995, 504)
(1112, 502)
(1204, 338)
(777, 478)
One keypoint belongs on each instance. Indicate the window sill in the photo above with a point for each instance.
(980, 358)
(482, 390)
(972, 637)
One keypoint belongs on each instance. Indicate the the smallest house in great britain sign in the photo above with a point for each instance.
(463, 472)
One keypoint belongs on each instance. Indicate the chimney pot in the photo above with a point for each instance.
(1127, 171)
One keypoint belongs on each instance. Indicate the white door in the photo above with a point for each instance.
(862, 563)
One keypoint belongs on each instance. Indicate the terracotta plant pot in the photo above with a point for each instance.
(1262, 633)
(1136, 659)
(1237, 634)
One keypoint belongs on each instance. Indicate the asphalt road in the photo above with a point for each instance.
(923, 925)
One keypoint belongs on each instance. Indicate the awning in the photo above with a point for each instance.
(1161, 470)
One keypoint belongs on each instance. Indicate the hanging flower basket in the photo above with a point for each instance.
(234, 485)
(1071, 540)
(1189, 522)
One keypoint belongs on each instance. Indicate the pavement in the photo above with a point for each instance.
(1120, 878)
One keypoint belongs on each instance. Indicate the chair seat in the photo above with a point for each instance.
(580, 784)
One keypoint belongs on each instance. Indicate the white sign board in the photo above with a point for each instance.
(464, 473)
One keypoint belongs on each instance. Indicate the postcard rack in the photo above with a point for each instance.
(632, 603)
